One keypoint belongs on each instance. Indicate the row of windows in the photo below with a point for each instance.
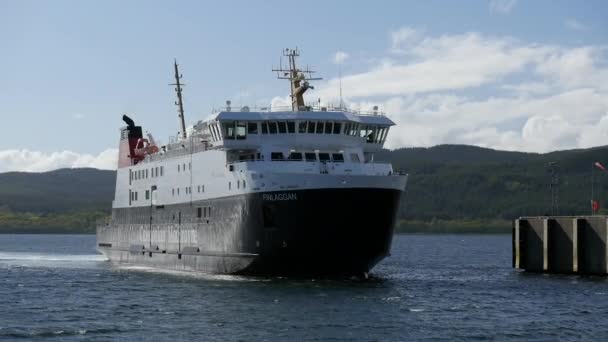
(134, 195)
(312, 157)
(143, 173)
(182, 167)
(239, 184)
(239, 129)
(188, 190)
(203, 212)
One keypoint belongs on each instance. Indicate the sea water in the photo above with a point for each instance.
(432, 287)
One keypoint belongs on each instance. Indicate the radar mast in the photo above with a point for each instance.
(179, 103)
(297, 77)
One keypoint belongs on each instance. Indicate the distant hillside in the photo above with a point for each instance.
(64, 190)
(66, 200)
(473, 188)
(491, 184)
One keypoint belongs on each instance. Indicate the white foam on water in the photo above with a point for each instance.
(28, 256)
(187, 274)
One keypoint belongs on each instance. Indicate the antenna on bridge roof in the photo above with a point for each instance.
(298, 78)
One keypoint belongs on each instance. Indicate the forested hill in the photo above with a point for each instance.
(465, 182)
(447, 183)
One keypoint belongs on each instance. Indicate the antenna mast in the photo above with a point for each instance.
(340, 77)
(178, 89)
(297, 78)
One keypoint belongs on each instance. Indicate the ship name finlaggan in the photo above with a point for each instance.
(270, 190)
(280, 197)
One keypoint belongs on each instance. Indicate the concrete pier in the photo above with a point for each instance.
(561, 244)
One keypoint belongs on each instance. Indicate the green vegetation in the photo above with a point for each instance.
(61, 201)
(68, 223)
(452, 188)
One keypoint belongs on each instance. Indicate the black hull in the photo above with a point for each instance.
(300, 232)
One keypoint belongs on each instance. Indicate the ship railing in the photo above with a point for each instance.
(312, 108)
(375, 167)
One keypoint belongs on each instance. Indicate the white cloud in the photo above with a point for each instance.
(471, 88)
(35, 161)
(502, 6)
(575, 25)
(340, 57)
(447, 62)
(403, 37)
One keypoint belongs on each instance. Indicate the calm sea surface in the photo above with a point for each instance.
(433, 287)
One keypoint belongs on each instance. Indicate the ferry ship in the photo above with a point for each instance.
(274, 191)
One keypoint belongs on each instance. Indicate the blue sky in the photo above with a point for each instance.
(490, 73)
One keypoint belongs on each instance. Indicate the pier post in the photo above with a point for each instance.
(545, 239)
(592, 245)
(561, 245)
(516, 245)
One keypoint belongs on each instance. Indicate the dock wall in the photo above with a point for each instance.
(561, 244)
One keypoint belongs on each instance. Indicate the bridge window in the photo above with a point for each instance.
(282, 127)
(311, 126)
(295, 156)
(228, 128)
(276, 156)
(337, 127)
(310, 156)
(291, 127)
(324, 157)
(162, 170)
(328, 127)
(272, 127)
(337, 157)
(384, 134)
(217, 131)
(371, 135)
(302, 127)
(252, 128)
(241, 130)
(199, 212)
(363, 131)
(320, 126)
(354, 158)
(264, 128)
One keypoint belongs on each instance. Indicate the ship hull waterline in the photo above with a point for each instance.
(295, 232)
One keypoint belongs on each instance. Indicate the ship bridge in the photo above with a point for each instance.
(311, 129)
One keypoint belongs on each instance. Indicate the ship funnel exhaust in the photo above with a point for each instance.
(128, 121)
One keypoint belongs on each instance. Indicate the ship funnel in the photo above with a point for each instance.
(128, 121)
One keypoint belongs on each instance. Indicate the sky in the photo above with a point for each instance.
(504, 74)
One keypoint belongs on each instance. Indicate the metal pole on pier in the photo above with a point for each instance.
(592, 181)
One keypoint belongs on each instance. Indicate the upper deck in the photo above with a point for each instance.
(316, 129)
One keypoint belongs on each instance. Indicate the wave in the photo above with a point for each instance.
(187, 274)
(49, 257)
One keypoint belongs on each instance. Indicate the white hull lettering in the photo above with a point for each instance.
(280, 197)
